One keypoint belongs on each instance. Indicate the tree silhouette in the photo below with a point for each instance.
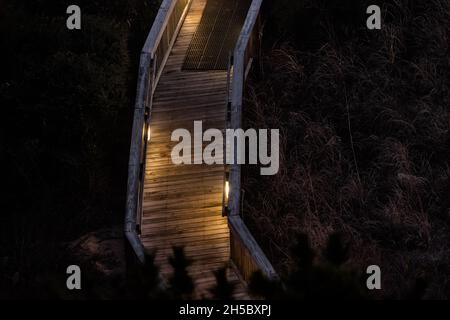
(302, 252)
(260, 286)
(223, 289)
(181, 283)
(144, 280)
(417, 292)
(336, 251)
(312, 279)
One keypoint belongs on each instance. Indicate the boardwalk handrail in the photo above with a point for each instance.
(163, 33)
(245, 251)
(153, 57)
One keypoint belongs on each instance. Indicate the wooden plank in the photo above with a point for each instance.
(182, 204)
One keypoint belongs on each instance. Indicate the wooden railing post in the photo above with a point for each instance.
(154, 54)
(245, 251)
(134, 164)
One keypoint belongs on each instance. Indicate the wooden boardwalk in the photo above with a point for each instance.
(182, 204)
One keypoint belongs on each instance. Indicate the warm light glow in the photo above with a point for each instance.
(148, 133)
(227, 190)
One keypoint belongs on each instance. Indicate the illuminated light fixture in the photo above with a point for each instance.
(149, 133)
(226, 194)
(227, 191)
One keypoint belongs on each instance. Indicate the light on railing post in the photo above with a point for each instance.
(149, 133)
(226, 195)
(227, 192)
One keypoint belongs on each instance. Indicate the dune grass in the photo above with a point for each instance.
(365, 142)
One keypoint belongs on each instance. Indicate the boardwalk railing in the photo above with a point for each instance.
(154, 55)
(245, 251)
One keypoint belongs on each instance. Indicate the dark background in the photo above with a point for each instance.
(364, 117)
(67, 99)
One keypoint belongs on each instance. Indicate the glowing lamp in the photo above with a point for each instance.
(227, 190)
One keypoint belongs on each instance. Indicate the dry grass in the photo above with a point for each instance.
(365, 144)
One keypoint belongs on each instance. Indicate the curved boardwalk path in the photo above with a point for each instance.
(182, 204)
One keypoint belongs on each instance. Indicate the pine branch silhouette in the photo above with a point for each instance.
(144, 284)
(336, 251)
(181, 283)
(260, 286)
(302, 252)
(311, 279)
(223, 289)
